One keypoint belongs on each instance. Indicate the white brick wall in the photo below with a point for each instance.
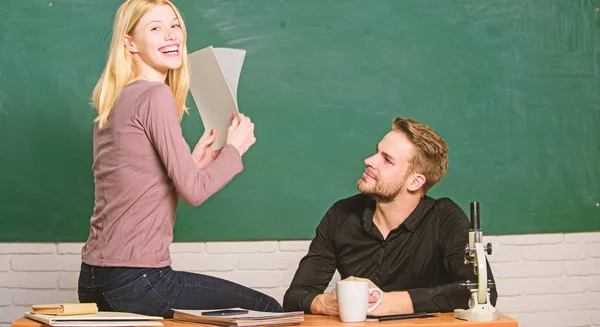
(543, 280)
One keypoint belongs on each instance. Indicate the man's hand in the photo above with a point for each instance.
(392, 302)
(325, 304)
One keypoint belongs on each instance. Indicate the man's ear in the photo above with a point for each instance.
(129, 44)
(415, 182)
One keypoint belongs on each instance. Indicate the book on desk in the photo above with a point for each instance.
(64, 309)
(239, 317)
(86, 314)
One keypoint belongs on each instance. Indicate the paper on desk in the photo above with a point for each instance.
(215, 73)
(97, 319)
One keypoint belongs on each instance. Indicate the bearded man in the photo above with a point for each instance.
(404, 242)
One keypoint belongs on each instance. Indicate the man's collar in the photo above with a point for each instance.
(411, 222)
(415, 217)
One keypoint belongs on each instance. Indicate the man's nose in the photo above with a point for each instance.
(370, 161)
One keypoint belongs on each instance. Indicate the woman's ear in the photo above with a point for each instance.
(129, 45)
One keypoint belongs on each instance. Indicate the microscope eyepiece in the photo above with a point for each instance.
(474, 215)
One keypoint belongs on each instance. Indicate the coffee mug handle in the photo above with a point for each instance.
(371, 290)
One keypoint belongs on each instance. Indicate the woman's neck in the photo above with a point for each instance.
(145, 72)
(156, 77)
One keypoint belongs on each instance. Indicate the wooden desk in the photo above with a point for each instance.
(443, 320)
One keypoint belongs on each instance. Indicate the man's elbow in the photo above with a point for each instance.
(292, 301)
(493, 296)
(288, 301)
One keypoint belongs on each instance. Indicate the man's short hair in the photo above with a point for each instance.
(431, 156)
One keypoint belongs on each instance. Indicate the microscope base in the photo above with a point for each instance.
(480, 312)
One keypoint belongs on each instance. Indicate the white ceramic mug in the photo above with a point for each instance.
(353, 300)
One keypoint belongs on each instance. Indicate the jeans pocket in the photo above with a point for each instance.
(139, 297)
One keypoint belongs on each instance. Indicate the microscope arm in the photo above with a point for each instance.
(482, 293)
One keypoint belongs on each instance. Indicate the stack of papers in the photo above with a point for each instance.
(250, 319)
(117, 319)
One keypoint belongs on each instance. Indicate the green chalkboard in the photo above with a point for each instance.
(512, 85)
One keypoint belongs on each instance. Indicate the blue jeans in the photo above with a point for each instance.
(155, 291)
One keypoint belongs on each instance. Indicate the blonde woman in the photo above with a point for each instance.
(143, 166)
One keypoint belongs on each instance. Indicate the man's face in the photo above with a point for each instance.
(385, 173)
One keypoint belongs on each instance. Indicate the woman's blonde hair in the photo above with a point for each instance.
(119, 69)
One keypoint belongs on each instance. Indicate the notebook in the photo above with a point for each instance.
(214, 77)
(101, 318)
(250, 319)
(65, 309)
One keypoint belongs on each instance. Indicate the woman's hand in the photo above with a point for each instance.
(203, 154)
(241, 133)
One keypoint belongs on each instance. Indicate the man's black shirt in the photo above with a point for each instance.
(424, 255)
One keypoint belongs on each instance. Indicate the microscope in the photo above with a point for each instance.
(480, 307)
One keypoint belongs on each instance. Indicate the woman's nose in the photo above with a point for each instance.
(170, 35)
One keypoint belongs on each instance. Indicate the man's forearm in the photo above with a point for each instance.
(297, 299)
(394, 303)
(448, 297)
(316, 306)
(325, 304)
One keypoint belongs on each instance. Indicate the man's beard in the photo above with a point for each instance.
(381, 192)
